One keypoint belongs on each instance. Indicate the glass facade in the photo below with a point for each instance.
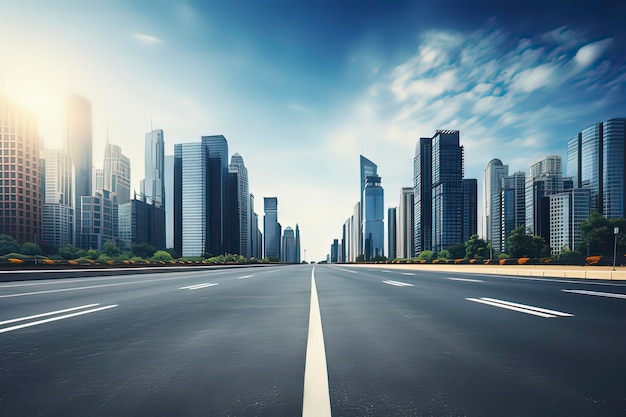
(447, 191)
(218, 166)
(58, 212)
(117, 173)
(470, 209)
(367, 168)
(271, 228)
(422, 191)
(513, 197)
(406, 225)
(243, 212)
(153, 184)
(493, 208)
(99, 220)
(591, 163)
(374, 212)
(567, 211)
(614, 169)
(392, 233)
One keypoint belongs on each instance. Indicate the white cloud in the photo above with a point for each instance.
(534, 78)
(146, 40)
(590, 53)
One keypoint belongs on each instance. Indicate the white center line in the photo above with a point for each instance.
(397, 283)
(466, 279)
(246, 276)
(597, 293)
(522, 308)
(316, 399)
(346, 270)
(407, 273)
(198, 286)
(67, 316)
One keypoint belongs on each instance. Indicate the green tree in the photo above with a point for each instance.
(143, 250)
(523, 245)
(444, 254)
(571, 257)
(360, 258)
(457, 251)
(92, 254)
(70, 251)
(426, 255)
(598, 237)
(173, 253)
(8, 245)
(30, 248)
(161, 256)
(110, 248)
(476, 248)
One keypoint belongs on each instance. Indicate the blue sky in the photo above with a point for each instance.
(301, 88)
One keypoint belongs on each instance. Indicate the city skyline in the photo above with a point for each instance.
(517, 84)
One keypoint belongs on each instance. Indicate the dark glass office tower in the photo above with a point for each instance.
(218, 167)
(271, 230)
(422, 185)
(367, 168)
(373, 223)
(596, 160)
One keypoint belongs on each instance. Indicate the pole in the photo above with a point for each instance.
(615, 232)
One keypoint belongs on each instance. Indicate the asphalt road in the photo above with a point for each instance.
(259, 342)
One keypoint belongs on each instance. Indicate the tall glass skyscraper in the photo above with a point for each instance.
(422, 191)
(191, 199)
(596, 160)
(58, 212)
(78, 145)
(153, 184)
(513, 203)
(218, 166)
(493, 202)
(271, 231)
(367, 168)
(242, 197)
(373, 223)
(392, 229)
(117, 173)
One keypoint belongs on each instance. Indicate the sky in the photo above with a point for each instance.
(301, 88)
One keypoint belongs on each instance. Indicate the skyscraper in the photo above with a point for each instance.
(191, 199)
(469, 221)
(543, 179)
(392, 232)
(298, 251)
(21, 194)
(256, 237)
(568, 210)
(99, 220)
(513, 202)
(153, 184)
(169, 201)
(288, 247)
(271, 231)
(58, 212)
(596, 160)
(493, 202)
(78, 145)
(373, 221)
(117, 173)
(422, 185)
(218, 178)
(242, 210)
(367, 168)
(406, 224)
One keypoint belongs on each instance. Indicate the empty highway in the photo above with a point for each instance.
(312, 340)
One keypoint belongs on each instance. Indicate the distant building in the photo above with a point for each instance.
(494, 174)
(78, 145)
(422, 186)
(146, 218)
(271, 230)
(543, 179)
(21, 194)
(298, 250)
(218, 192)
(392, 237)
(242, 209)
(288, 247)
(169, 200)
(367, 168)
(98, 179)
(117, 173)
(256, 237)
(406, 224)
(596, 160)
(58, 211)
(373, 221)
(153, 184)
(99, 220)
(568, 210)
(513, 205)
(334, 251)
(469, 220)
(191, 199)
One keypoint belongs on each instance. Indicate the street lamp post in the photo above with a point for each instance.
(615, 232)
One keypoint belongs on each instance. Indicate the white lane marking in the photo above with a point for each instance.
(522, 308)
(198, 286)
(541, 310)
(466, 279)
(52, 313)
(246, 276)
(316, 398)
(67, 316)
(597, 293)
(385, 271)
(397, 283)
(24, 294)
(559, 280)
(407, 273)
(346, 270)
